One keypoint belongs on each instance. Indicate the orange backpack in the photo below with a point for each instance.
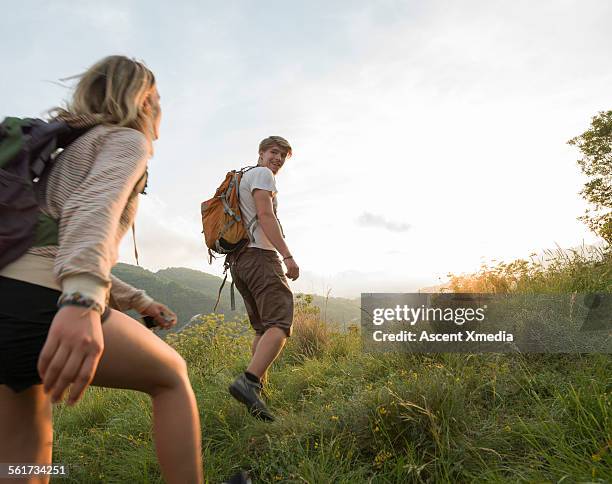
(223, 226)
(224, 229)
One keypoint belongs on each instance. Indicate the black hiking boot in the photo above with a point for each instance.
(249, 393)
(240, 478)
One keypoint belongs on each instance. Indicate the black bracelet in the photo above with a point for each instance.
(288, 257)
(78, 299)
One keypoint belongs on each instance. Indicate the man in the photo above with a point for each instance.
(258, 274)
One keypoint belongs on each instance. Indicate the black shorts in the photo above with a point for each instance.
(26, 313)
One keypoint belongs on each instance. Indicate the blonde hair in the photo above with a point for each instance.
(277, 141)
(116, 91)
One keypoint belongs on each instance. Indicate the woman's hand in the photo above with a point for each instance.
(163, 316)
(71, 353)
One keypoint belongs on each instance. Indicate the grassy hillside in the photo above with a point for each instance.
(351, 417)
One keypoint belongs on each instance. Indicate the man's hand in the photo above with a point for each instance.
(293, 271)
(163, 316)
(71, 353)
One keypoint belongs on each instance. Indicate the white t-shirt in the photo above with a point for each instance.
(261, 178)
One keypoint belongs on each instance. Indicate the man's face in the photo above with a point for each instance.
(273, 158)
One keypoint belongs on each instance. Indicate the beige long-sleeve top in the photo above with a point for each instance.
(92, 190)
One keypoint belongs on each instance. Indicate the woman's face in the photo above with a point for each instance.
(155, 111)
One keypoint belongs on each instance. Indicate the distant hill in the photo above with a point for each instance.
(189, 292)
(182, 299)
(204, 283)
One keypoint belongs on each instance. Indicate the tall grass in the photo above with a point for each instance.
(350, 417)
(558, 271)
(310, 336)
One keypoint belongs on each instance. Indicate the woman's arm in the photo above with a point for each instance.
(89, 227)
(127, 297)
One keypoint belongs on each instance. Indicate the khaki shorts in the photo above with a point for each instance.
(259, 277)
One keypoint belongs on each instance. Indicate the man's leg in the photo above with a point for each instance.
(255, 343)
(258, 278)
(274, 302)
(264, 378)
(247, 388)
(267, 349)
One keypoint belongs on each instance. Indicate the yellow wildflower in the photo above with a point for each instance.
(380, 458)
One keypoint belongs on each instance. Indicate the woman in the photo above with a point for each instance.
(92, 191)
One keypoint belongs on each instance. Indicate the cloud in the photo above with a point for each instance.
(367, 219)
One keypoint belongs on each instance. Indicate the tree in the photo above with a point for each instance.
(595, 145)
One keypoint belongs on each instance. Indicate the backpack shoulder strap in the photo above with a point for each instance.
(244, 169)
(249, 226)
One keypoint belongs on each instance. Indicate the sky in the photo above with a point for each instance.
(428, 137)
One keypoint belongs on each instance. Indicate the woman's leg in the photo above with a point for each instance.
(26, 428)
(134, 358)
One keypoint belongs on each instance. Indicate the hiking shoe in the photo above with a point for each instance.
(240, 478)
(249, 393)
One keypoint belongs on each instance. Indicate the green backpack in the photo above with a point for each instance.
(27, 150)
